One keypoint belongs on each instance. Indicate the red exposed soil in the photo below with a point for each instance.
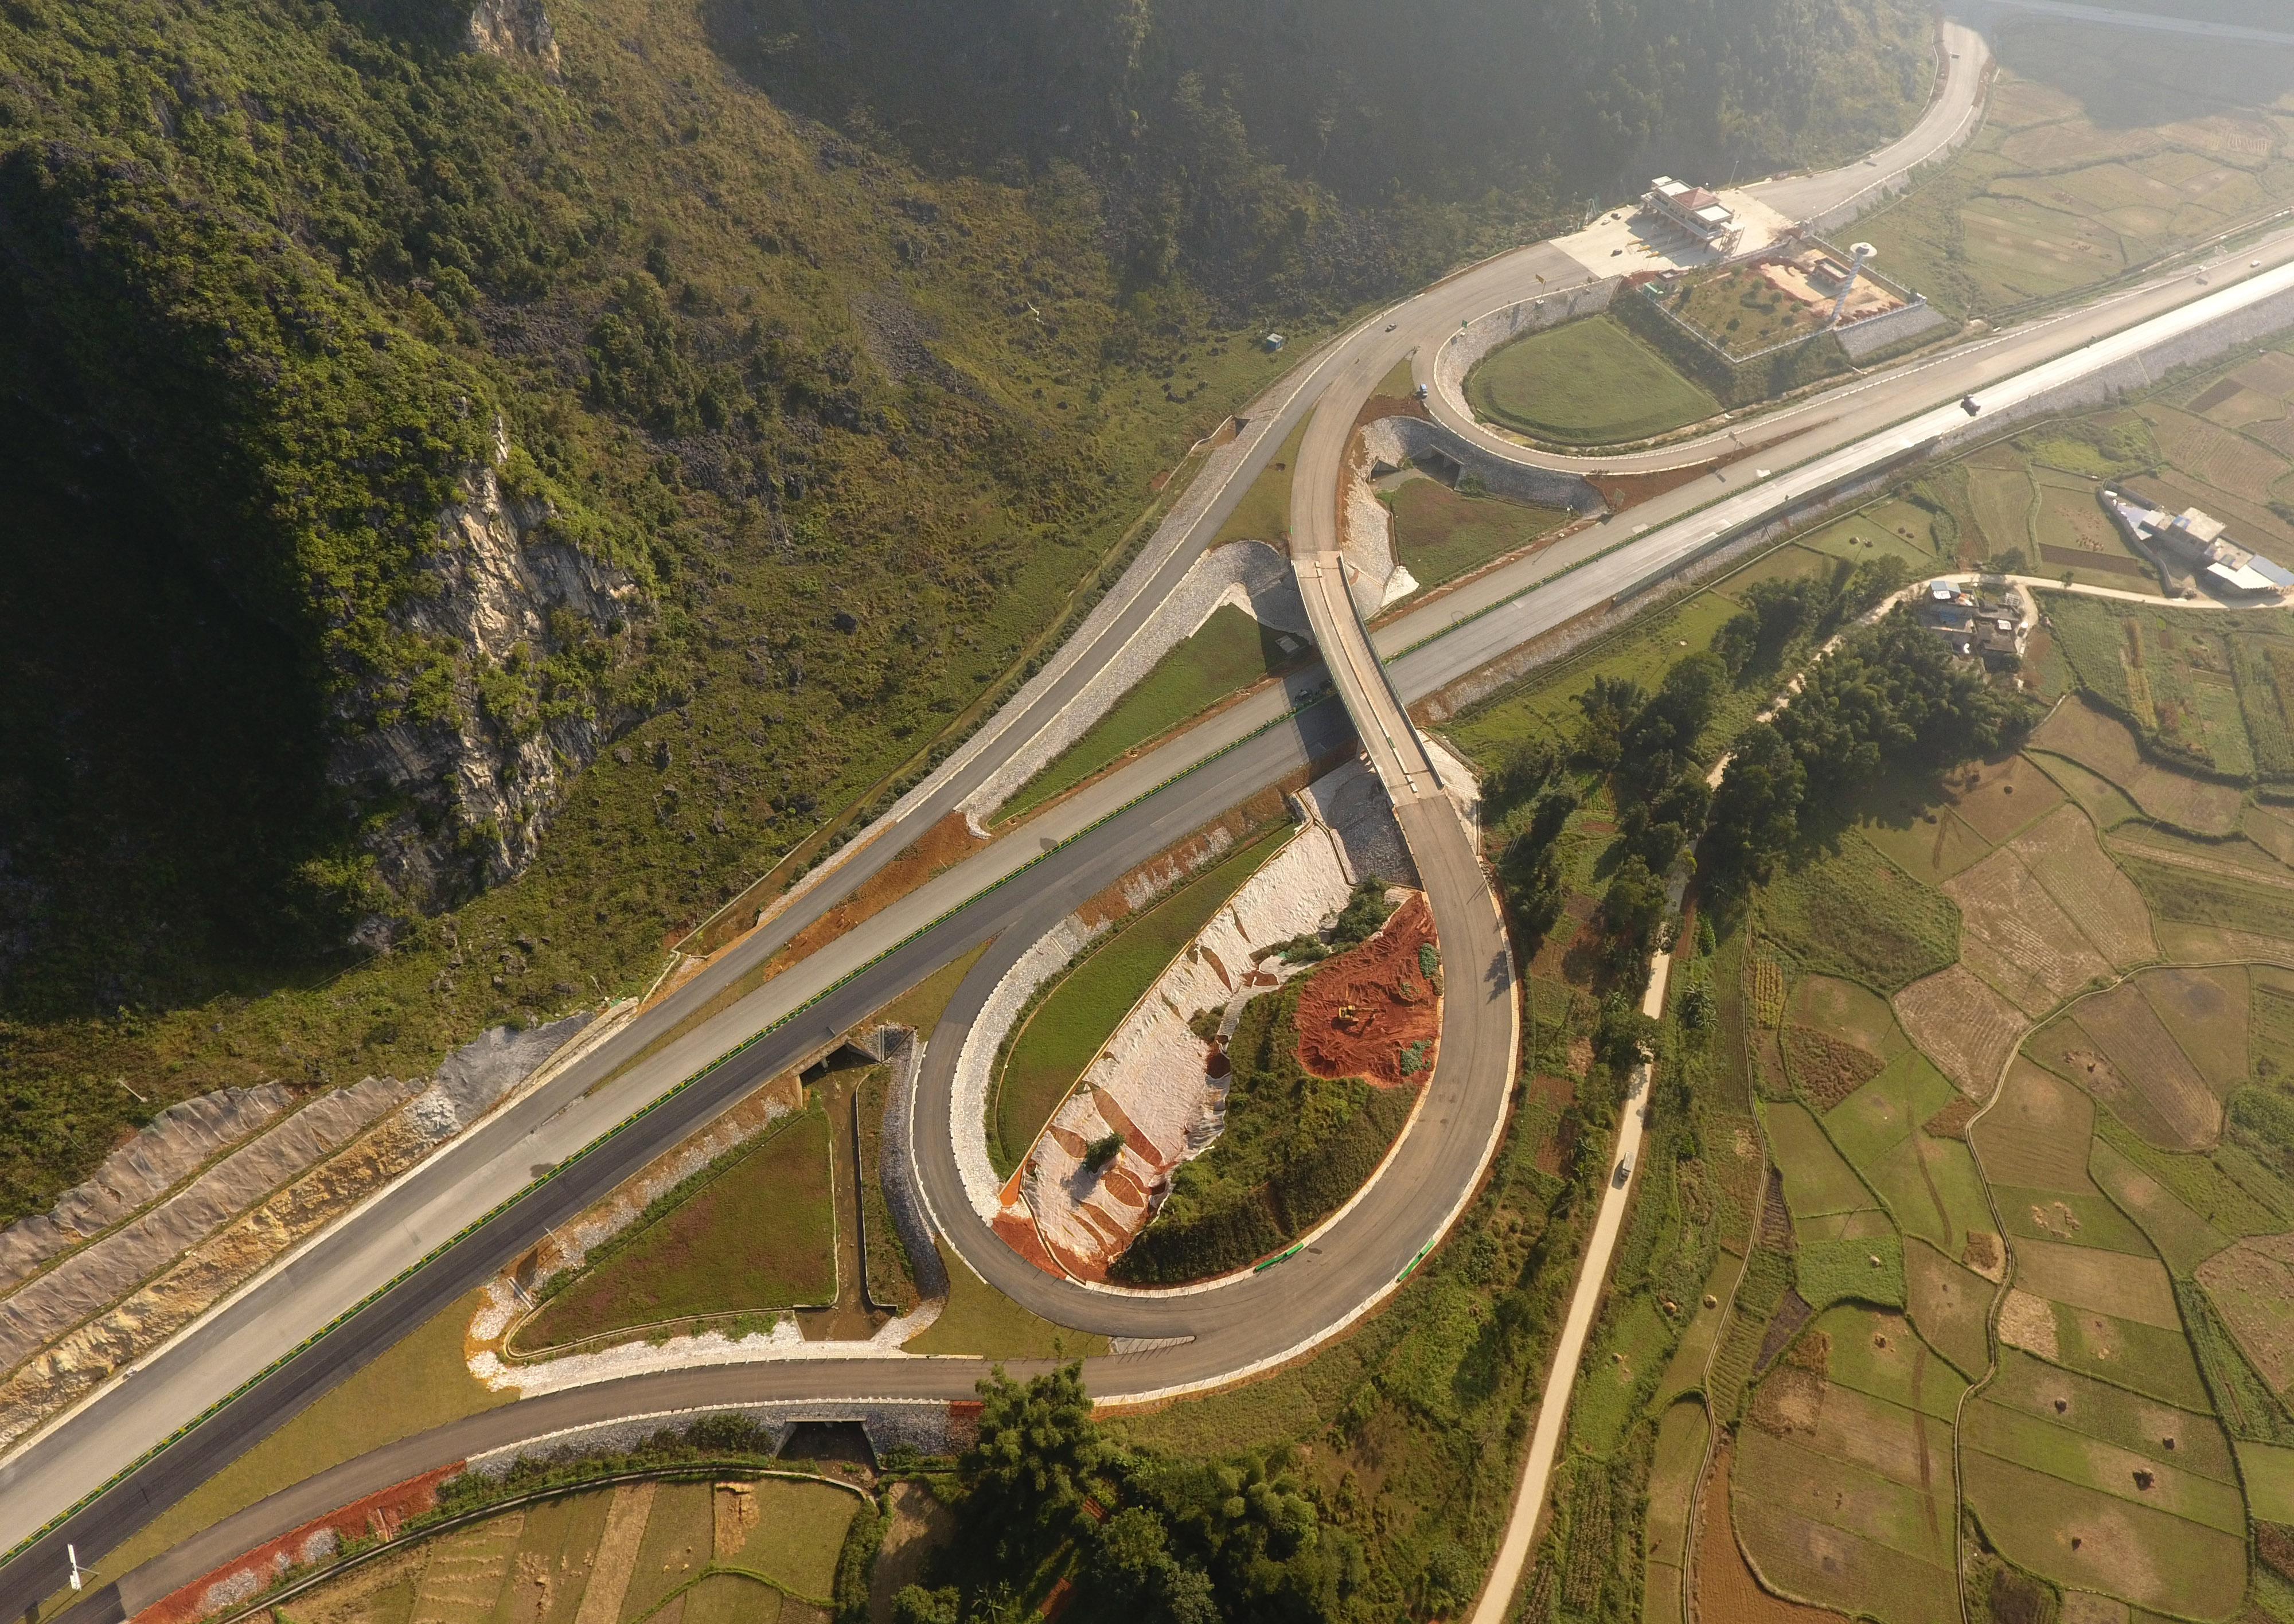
(378, 1515)
(1361, 1009)
(948, 841)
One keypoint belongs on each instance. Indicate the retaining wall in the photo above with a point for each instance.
(896, 1169)
(929, 1427)
(1464, 348)
(1395, 440)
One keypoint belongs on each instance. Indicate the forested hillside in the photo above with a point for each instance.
(404, 406)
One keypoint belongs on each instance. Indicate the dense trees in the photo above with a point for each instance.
(1145, 1538)
(1891, 694)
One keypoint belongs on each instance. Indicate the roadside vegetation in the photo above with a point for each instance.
(1589, 382)
(1441, 534)
(1224, 656)
(753, 1233)
(847, 519)
(1079, 1011)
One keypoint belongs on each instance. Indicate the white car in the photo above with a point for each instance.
(1625, 1170)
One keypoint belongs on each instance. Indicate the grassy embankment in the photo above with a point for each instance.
(1588, 382)
(752, 1233)
(1082, 1009)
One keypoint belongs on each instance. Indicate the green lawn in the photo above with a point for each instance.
(1585, 382)
(1229, 653)
(1083, 1010)
(758, 1234)
(981, 1322)
(1440, 535)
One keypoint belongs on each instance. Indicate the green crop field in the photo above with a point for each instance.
(1587, 382)
(1440, 534)
(753, 1233)
(1818, 1180)
(1227, 653)
(1852, 913)
(1852, 1269)
(1086, 1005)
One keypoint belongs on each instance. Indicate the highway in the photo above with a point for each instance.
(1262, 740)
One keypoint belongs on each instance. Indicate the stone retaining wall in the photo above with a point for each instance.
(1465, 348)
(897, 1171)
(929, 1427)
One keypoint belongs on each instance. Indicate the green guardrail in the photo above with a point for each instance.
(1284, 1256)
(1315, 697)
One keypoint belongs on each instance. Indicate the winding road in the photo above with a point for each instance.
(483, 1199)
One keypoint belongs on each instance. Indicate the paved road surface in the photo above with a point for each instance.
(548, 1127)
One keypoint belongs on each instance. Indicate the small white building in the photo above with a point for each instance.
(2195, 541)
(1696, 211)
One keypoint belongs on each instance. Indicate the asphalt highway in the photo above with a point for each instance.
(1229, 1330)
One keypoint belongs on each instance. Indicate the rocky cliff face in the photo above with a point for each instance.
(463, 769)
(514, 28)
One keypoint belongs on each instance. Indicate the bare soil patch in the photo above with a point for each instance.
(1962, 1023)
(2037, 1137)
(1362, 1012)
(2013, 935)
(945, 843)
(2062, 853)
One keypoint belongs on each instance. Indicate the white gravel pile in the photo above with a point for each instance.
(1150, 1083)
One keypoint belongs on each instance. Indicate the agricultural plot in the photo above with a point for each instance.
(2101, 150)
(741, 1553)
(2037, 1136)
(2084, 1219)
(2181, 1236)
(2192, 1442)
(1851, 913)
(1948, 1303)
(2069, 862)
(2114, 1047)
(2104, 746)
(2269, 1472)
(2014, 936)
(2139, 1477)
(2251, 1286)
(1964, 1024)
(2205, 1012)
(2105, 804)
(2084, 1538)
(2226, 460)
(1818, 1180)
(1848, 1013)
(2128, 1287)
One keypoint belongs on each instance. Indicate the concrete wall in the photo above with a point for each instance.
(926, 1426)
(1395, 440)
(2138, 372)
(1862, 338)
(898, 1171)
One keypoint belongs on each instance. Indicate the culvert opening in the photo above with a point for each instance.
(830, 1440)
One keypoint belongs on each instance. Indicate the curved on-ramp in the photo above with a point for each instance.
(1353, 1265)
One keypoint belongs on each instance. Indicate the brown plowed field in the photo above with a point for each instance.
(1962, 1025)
(2014, 937)
(1361, 1009)
(1726, 1592)
(2064, 855)
(1996, 799)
